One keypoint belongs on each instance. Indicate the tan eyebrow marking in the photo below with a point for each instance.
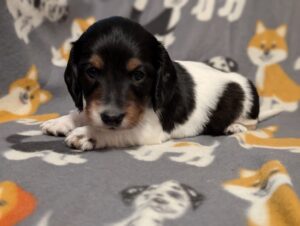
(133, 63)
(96, 61)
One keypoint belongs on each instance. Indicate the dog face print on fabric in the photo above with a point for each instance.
(153, 205)
(29, 14)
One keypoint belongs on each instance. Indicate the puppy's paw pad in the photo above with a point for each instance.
(235, 128)
(80, 140)
(58, 127)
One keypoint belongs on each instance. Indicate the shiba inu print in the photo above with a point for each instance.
(266, 50)
(24, 98)
(273, 201)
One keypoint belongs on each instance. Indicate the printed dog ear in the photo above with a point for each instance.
(166, 79)
(72, 81)
(129, 194)
(195, 197)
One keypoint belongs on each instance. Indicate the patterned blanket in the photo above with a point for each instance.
(248, 178)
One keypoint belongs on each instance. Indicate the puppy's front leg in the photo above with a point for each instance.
(88, 138)
(63, 125)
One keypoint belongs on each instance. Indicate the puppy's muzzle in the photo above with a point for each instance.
(112, 118)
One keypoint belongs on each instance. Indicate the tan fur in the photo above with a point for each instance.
(133, 63)
(277, 204)
(96, 61)
(24, 98)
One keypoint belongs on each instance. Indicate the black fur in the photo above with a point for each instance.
(168, 88)
(254, 112)
(182, 102)
(228, 109)
(117, 40)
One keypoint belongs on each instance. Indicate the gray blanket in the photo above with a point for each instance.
(249, 178)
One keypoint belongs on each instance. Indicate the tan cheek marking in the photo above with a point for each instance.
(133, 113)
(133, 63)
(93, 102)
(96, 61)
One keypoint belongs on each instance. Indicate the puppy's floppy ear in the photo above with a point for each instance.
(166, 80)
(195, 197)
(72, 81)
(129, 194)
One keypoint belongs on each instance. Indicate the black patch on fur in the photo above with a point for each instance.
(254, 112)
(227, 111)
(182, 103)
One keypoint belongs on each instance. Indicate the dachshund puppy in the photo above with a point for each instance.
(129, 92)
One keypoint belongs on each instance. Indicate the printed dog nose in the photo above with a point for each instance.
(111, 119)
(266, 52)
(160, 201)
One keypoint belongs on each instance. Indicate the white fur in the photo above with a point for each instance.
(148, 212)
(209, 86)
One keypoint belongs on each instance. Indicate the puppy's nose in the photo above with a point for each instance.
(112, 119)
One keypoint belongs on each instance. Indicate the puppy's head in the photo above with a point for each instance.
(116, 71)
(169, 199)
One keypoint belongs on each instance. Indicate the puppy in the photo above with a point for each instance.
(29, 14)
(157, 203)
(129, 92)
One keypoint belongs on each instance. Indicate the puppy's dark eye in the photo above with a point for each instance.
(138, 76)
(92, 72)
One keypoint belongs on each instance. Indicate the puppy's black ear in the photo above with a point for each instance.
(129, 194)
(195, 197)
(72, 81)
(166, 80)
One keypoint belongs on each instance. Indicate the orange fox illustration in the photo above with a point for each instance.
(16, 204)
(60, 56)
(264, 138)
(24, 98)
(273, 202)
(266, 49)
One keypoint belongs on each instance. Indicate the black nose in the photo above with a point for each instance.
(112, 119)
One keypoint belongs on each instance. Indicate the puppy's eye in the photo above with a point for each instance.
(138, 76)
(92, 72)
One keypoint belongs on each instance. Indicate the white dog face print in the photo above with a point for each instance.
(153, 205)
(30, 14)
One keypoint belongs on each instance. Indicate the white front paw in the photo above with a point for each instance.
(58, 127)
(81, 139)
